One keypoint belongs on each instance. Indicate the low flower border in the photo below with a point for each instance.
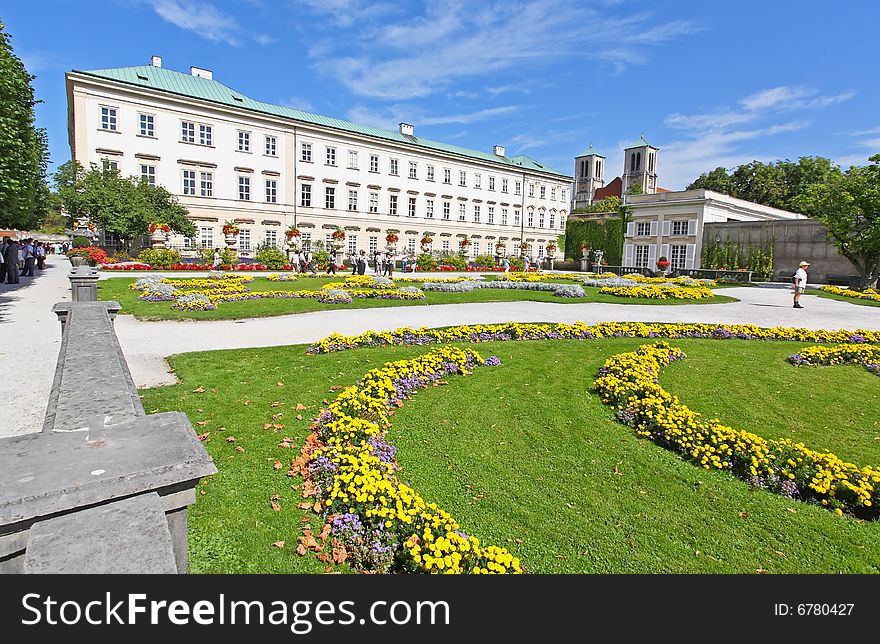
(369, 517)
(867, 294)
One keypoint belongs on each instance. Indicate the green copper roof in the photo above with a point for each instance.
(641, 143)
(167, 80)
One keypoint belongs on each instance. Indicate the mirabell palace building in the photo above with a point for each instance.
(228, 157)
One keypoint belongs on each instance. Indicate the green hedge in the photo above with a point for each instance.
(601, 235)
(731, 255)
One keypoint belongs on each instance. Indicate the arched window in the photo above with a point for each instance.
(650, 163)
(598, 168)
(639, 161)
(632, 162)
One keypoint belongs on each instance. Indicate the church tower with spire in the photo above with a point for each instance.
(589, 175)
(640, 166)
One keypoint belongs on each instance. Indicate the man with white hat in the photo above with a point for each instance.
(800, 283)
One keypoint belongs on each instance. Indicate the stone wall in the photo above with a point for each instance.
(793, 241)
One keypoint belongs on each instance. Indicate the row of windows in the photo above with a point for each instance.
(190, 131)
(205, 239)
(411, 209)
(679, 228)
(677, 255)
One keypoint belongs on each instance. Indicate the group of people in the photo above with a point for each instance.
(18, 258)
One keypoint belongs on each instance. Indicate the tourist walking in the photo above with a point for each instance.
(28, 255)
(506, 264)
(40, 252)
(216, 258)
(799, 280)
(331, 265)
(389, 265)
(10, 258)
(361, 264)
(3, 259)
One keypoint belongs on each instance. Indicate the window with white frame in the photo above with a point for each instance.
(429, 208)
(562, 197)
(516, 248)
(328, 240)
(411, 207)
(330, 156)
(352, 160)
(392, 204)
(206, 184)
(517, 188)
(148, 173)
(374, 163)
(461, 212)
(392, 167)
(462, 178)
(680, 228)
(413, 170)
(271, 191)
(108, 118)
(491, 183)
(271, 147)
(244, 239)
(146, 125)
(411, 245)
(553, 194)
(244, 141)
(478, 180)
(641, 255)
(540, 250)
(305, 152)
(447, 175)
(562, 221)
(271, 238)
(444, 245)
(677, 256)
(305, 194)
(244, 188)
(540, 220)
(330, 197)
(530, 221)
(475, 248)
(352, 243)
(352, 199)
(430, 173)
(504, 185)
(543, 192)
(531, 189)
(516, 217)
(187, 132)
(373, 244)
(504, 216)
(374, 202)
(476, 213)
(446, 207)
(552, 220)
(306, 241)
(189, 243)
(206, 237)
(189, 182)
(490, 215)
(206, 133)
(643, 228)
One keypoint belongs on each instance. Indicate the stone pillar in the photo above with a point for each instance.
(83, 284)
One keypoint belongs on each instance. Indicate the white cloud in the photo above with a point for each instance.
(773, 97)
(346, 13)
(298, 103)
(200, 17)
(873, 130)
(455, 41)
(263, 39)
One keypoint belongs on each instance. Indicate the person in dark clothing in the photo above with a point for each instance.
(27, 250)
(10, 256)
(3, 259)
(362, 263)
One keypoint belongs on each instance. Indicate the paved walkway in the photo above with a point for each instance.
(146, 344)
(30, 335)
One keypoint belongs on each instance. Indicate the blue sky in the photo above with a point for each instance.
(710, 83)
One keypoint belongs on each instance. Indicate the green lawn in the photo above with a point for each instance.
(842, 298)
(525, 456)
(118, 289)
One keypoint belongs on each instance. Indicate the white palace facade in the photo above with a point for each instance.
(227, 157)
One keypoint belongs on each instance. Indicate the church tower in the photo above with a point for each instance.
(640, 167)
(589, 174)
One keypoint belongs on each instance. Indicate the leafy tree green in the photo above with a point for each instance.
(848, 203)
(24, 195)
(271, 256)
(609, 204)
(122, 206)
(717, 180)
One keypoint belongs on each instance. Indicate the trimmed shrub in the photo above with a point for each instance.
(158, 257)
(484, 261)
(81, 242)
(426, 262)
(272, 257)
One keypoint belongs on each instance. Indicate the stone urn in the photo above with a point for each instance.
(76, 260)
(158, 239)
(231, 241)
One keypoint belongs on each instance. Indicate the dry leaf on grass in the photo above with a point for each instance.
(230, 439)
(239, 449)
(203, 422)
(199, 390)
(276, 507)
(277, 465)
(278, 544)
(301, 550)
(300, 407)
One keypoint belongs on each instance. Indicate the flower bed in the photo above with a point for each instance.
(189, 267)
(659, 292)
(867, 294)
(867, 355)
(628, 381)
(580, 331)
(560, 290)
(370, 518)
(94, 255)
(283, 277)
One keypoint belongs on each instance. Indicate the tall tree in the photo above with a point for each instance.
(121, 206)
(717, 180)
(848, 203)
(23, 147)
